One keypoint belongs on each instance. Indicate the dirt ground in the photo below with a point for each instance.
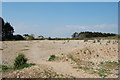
(76, 58)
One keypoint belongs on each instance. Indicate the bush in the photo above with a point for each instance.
(20, 60)
(18, 37)
(52, 57)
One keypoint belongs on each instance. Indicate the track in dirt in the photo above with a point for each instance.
(38, 56)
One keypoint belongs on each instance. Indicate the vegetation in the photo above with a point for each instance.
(8, 68)
(103, 72)
(5, 68)
(109, 65)
(82, 35)
(24, 66)
(18, 37)
(29, 37)
(20, 60)
(40, 37)
(52, 58)
(49, 38)
(84, 68)
(75, 35)
(19, 63)
(8, 30)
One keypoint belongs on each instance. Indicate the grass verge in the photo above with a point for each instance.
(8, 68)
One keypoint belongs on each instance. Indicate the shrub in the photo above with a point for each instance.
(52, 57)
(20, 60)
(18, 37)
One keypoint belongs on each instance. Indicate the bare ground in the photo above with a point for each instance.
(73, 53)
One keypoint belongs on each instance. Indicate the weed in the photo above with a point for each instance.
(20, 60)
(84, 68)
(103, 72)
(110, 65)
(5, 68)
(52, 58)
(20, 63)
(24, 66)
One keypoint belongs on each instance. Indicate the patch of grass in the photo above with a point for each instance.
(109, 65)
(52, 58)
(5, 68)
(103, 72)
(24, 66)
(84, 68)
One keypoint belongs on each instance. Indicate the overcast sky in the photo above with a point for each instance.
(61, 19)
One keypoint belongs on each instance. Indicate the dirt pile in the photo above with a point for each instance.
(96, 53)
(37, 71)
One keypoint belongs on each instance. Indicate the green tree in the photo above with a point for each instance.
(18, 37)
(40, 37)
(7, 31)
(75, 35)
(1, 25)
(29, 37)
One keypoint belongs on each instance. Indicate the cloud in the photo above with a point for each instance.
(98, 26)
(105, 26)
(101, 26)
(62, 31)
(76, 27)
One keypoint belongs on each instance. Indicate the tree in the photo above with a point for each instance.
(18, 37)
(7, 31)
(1, 25)
(29, 37)
(75, 35)
(40, 37)
(49, 38)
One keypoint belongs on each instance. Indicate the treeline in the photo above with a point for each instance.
(7, 31)
(87, 34)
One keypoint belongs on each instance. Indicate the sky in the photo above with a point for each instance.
(61, 19)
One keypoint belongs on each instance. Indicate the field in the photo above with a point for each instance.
(63, 58)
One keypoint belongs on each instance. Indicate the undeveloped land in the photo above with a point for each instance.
(74, 58)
